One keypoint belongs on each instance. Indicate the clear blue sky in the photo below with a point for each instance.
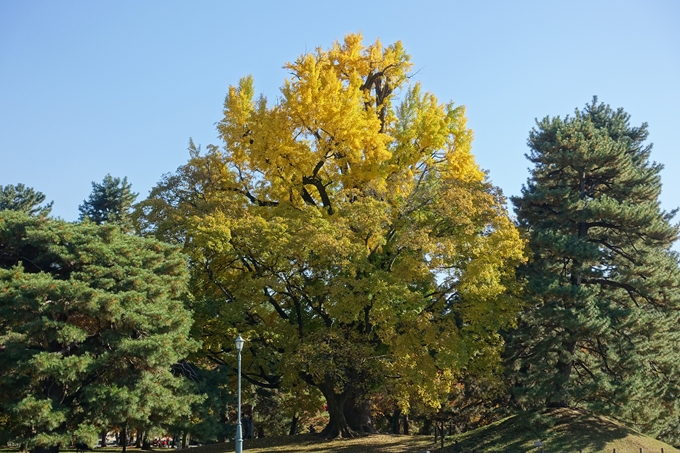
(95, 87)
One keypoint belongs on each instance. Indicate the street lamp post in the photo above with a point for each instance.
(239, 433)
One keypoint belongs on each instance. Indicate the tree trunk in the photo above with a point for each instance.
(138, 438)
(146, 445)
(394, 422)
(184, 440)
(560, 397)
(103, 438)
(405, 424)
(293, 426)
(337, 425)
(358, 415)
(123, 438)
(426, 429)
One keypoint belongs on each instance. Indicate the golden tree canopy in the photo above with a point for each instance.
(345, 230)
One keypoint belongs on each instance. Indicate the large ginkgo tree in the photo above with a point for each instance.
(346, 232)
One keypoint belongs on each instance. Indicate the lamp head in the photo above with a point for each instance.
(239, 343)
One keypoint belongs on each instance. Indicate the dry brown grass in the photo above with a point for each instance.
(305, 443)
(309, 443)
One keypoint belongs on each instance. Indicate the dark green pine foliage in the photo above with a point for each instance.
(208, 421)
(110, 202)
(91, 320)
(24, 199)
(601, 329)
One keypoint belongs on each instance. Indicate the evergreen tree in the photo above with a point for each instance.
(24, 199)
(91, 321)
(601, 327)
(110, 202)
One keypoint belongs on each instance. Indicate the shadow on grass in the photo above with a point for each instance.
(559, 430)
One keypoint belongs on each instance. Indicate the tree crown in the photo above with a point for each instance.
(24, 199)
(110, 202)
(346, 230)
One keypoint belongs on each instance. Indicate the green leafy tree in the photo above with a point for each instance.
(91, 319)
(347, 232)
(603, 289)
(24, 199)
(110, 202)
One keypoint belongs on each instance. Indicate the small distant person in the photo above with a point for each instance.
(244, 426)
(251, 427)
(312, 430)
(247, 426)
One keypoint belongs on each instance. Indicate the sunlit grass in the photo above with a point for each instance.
(309, 443)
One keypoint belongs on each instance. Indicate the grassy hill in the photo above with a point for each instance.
(560, 430)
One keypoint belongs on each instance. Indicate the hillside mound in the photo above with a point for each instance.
(559, 430)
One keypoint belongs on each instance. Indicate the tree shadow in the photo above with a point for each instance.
(558, 430)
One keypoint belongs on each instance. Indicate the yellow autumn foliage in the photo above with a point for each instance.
(345, 230)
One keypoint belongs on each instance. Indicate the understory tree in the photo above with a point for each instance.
(601, 328)
(346, 232)
(91, 319)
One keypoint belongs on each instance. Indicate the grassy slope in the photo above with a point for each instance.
(560, 430)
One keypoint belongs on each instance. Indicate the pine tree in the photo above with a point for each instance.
(110, 202)
(601, 327)
(91, 321)
(24, 199)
